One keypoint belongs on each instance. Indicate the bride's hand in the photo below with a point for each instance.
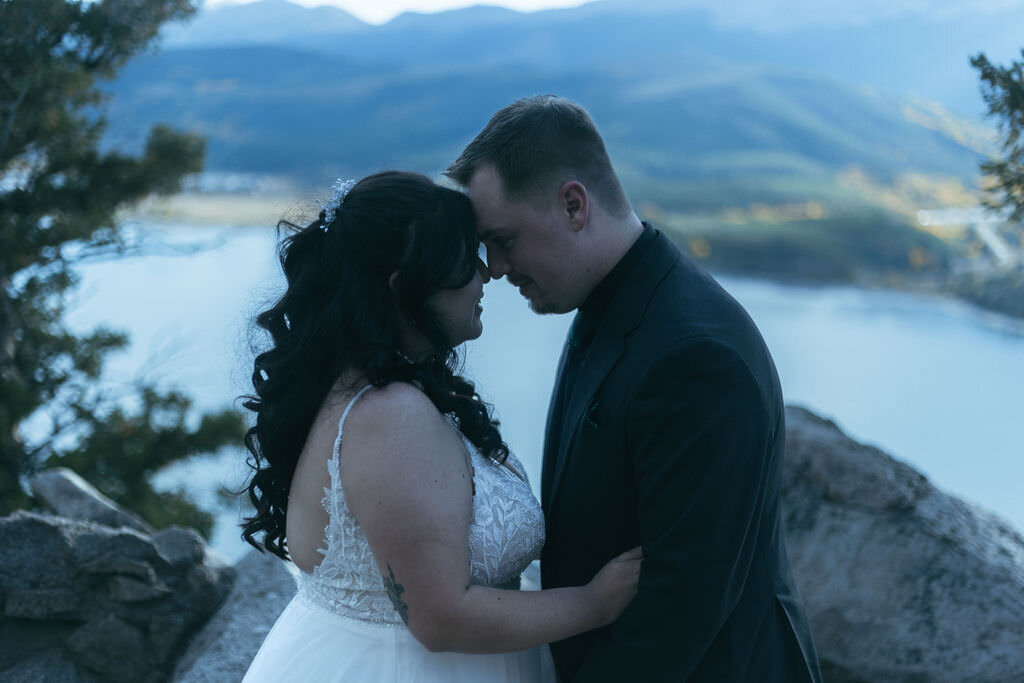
(614, 586)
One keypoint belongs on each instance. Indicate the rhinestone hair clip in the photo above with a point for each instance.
(340, 189)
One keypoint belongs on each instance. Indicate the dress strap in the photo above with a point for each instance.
(341, 422)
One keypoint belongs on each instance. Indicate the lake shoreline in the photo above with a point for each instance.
(1000, 293)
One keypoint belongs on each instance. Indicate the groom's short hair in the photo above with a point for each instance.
(537, 140)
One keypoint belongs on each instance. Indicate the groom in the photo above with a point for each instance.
(666, 426)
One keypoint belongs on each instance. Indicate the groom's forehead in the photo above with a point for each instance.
(493, 218)
(486, 222)
(500, 221)
(487, 231)
(491, 199)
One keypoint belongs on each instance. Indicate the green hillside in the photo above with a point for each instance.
(693, 148)
(305, 114)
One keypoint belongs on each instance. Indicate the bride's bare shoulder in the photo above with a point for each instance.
(398, 415)
(392, 434)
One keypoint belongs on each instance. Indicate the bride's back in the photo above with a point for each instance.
(367, 421)
(307, 517)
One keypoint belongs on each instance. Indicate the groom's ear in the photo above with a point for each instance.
(393, 282)
(575, 203)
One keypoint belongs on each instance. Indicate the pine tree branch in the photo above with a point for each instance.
(10, 118)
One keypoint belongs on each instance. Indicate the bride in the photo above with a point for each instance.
(379, 471)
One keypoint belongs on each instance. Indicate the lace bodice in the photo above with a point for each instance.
(506, 533)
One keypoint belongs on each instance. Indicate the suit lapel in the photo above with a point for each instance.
(556, 409)
(604, 352)
(623, 316)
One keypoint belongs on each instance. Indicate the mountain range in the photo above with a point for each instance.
(916, 48)
(707, 116)
(292, 112)
(303, 92)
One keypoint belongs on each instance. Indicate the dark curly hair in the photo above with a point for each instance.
(339, 313)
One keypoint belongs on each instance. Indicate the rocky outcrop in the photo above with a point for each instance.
(86, 601)
(901, 581)
(68, 495)
(222, 650)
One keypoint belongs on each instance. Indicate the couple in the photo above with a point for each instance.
(381, 475)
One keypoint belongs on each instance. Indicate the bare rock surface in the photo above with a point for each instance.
(83, 602)
(901, 581)
(68, 495)
(222, 650)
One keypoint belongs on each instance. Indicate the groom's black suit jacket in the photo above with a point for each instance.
(671, 437)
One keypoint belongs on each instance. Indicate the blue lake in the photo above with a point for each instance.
(932, 382)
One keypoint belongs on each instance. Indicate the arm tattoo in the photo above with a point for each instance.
(395, 591)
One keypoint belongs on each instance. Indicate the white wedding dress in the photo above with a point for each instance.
(341, 625)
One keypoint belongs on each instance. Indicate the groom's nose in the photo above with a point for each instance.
(496, 264)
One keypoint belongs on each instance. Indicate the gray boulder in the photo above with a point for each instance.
(901, 581)
(222, 650)
(82, 601)
(68, 495)
(50, 666)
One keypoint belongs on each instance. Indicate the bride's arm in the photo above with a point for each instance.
(408, 482)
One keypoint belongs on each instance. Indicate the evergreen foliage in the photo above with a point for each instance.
(59, 198)
(1003, 90)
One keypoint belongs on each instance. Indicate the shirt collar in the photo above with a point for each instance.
(596, 305)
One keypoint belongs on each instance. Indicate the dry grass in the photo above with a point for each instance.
(225, 209)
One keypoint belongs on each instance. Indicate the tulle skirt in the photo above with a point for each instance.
(309, 643)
